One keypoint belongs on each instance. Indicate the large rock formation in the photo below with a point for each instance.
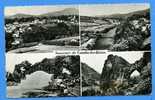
(122, 78)
(52, 66)
(114, 66)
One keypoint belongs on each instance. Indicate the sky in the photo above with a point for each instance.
(86, 10)
(13, 59)
(35, 10)
(108, 9)
(96, 61)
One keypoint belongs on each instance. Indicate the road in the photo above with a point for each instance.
(41, 48)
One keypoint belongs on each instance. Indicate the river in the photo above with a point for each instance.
(106, 40)
(33, 83)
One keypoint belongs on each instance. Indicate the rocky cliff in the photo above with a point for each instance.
(52, 66)
(113, 67)
(134, 32)
(122, 78)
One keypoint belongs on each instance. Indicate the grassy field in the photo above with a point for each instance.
(48, 46)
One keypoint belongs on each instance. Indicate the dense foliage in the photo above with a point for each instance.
(133, 33)
(51, 66)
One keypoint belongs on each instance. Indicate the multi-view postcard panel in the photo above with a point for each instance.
(116, 27)
(41, 28)
(42, 75)
(120, 34)
(116, 73)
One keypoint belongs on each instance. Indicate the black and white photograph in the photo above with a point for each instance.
(115, 27)
(77, 50)
(116, 73)
(41, 28)
(42, 75)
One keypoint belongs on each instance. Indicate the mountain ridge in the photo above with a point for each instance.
(126, 15)
(89, 73)
(66, 11)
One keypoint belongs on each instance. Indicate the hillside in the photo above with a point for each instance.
(89, 75)
(19, 15)
(67, 11)
(126, 15)
(133, 34)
